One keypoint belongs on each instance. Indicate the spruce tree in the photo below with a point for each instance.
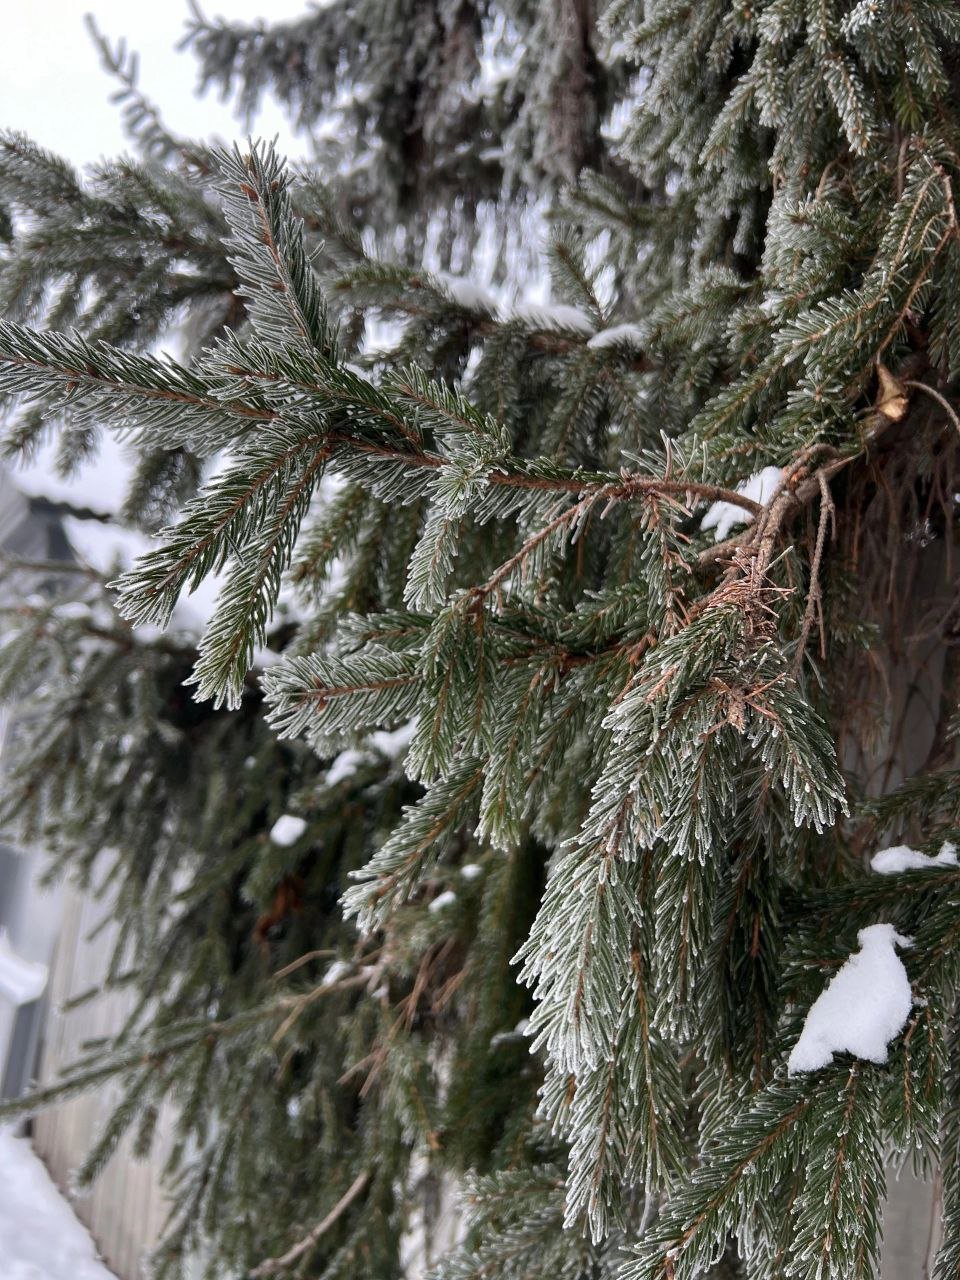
(626, 637)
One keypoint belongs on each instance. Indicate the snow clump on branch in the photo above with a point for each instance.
(863, 1007)
(723, 516)
(287, 830)
(900, 857)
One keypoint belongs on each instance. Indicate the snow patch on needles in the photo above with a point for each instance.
(863, 1007)
(443, 900)
(466, 294)
(339, 969)
(618, 335)
(505, 1037)
(73, 611)
(287, 830)
(723, 516)
(345, 766)
(552, 317)
(393, 742)
(900, 857)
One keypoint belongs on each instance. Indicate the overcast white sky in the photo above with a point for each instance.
(53, 87)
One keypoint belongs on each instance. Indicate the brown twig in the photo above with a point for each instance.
(942, 401)
(628, 486)
(814, 596)
(271, 1266)
(323, 954)
(298, 1004)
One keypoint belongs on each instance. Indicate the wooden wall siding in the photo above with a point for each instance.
(913, 691)
(126, 1207)
(435, 1221)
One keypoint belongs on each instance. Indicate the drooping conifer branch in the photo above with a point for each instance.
(522, 705)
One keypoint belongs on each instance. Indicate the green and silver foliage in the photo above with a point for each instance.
(493, 525)
(432, 107)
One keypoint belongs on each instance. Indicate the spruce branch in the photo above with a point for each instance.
(312, 694)
(541, 716)
(415, 845)
(268, 477)
(690, 1233)
(141, 117)
(266, 250)
(94, 379)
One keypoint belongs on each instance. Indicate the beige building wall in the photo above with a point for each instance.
(126, 1207)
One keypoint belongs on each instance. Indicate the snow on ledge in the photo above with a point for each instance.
(21, 981)
(40, 1237)
(863, 1007)
(100, 483)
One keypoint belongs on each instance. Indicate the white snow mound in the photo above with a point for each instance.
(863, 1007)
(345, 766)
(287, 830)
(393, 742)
(722, 516)
(443, 900)
(40, 1238)
(900, 857)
